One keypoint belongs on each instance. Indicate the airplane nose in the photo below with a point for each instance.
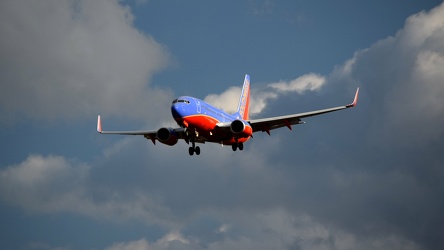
(176, 111)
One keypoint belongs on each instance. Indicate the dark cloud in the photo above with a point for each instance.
(67, 59)
(364, 178)
(395, 155)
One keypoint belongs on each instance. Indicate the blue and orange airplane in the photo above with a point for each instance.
(200, 122)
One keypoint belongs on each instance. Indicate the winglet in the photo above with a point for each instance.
(99, 124)
(355, 101)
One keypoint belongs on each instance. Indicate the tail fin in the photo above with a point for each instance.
(243, 109)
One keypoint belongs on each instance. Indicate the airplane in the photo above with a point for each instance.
(200, 122)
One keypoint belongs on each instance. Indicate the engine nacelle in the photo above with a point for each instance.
(240, 129)
(167, 136)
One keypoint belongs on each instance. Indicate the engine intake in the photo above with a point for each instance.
(237, 126)
(167, 136)
(240, 129)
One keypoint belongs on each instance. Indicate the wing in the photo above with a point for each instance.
(148, 134)
(267, 124)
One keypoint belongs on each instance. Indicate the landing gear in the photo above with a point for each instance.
(194, 149)
(239, 145)
(191, 136)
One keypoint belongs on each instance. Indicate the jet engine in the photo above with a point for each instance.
(239, 128)
(167, 136)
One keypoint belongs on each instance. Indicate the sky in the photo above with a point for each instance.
(370, 177)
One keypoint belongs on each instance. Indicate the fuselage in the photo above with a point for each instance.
(201, 117)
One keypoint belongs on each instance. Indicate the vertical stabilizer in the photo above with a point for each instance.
(243, 109)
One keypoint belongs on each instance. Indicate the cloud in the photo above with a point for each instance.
(377, 175)
(262, 8)
(65, 59)
(53, 184)
(277, 229)
(308, 82)
(141, 244)
(172, 240)
(42, 246)
(223, 228)
(266, 205)
(402, 75)
(378, 184)
(43, 183)
(228, 100)
(398, 137)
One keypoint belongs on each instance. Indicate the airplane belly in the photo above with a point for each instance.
(233, 141)
(201, 122)
(206, 127)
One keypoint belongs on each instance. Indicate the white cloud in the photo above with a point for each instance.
(228, 100)
(275, 229)
(308, 82)
(223, 228)
(401, 105)
(43, 183)
(403, 77)
(280, 229)
(53, 184)
(169, 241)
(141, 244)
(404, 73)
(64, 59)
(170, 237)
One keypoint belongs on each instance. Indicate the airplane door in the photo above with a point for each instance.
(198, 107)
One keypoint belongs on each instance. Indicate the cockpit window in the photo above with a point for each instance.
(181, 100)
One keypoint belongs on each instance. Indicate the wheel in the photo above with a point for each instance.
(191, 150)
(241, 146)
(197, 150)
(234, 147)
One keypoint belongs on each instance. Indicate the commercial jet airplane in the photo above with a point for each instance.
(200, 122)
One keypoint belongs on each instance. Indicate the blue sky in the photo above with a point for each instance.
(366, 178)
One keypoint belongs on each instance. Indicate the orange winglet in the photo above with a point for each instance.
(355, 101)
(99, 124)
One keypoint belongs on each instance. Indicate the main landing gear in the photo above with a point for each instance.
(236, 146)
(194, 149)
(193, 135)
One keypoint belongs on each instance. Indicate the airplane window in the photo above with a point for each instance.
(177, 100)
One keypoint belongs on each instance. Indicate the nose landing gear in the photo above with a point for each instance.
(192, 137)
